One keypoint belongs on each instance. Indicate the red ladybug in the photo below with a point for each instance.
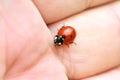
(65, 35)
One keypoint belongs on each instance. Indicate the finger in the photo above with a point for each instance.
(98, 41)
(24, 32)
(55, 10)
(108, 75)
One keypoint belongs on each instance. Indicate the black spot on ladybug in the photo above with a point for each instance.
(71, 36)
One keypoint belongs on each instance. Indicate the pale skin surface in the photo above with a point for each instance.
(27, 51)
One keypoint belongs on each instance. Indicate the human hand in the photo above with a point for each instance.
(30, 52)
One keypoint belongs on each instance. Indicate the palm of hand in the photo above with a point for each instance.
(32, 55)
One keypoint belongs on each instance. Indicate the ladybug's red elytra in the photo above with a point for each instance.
(65, 35)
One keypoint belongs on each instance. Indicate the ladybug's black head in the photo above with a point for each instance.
(58, 40)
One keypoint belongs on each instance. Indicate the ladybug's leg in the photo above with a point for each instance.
(67, 45)
(74, 43)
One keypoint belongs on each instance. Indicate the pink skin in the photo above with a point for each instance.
(28, 52)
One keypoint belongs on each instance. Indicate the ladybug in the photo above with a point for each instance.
(65, 35)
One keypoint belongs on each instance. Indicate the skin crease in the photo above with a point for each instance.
(23, 32)
(60, 9)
